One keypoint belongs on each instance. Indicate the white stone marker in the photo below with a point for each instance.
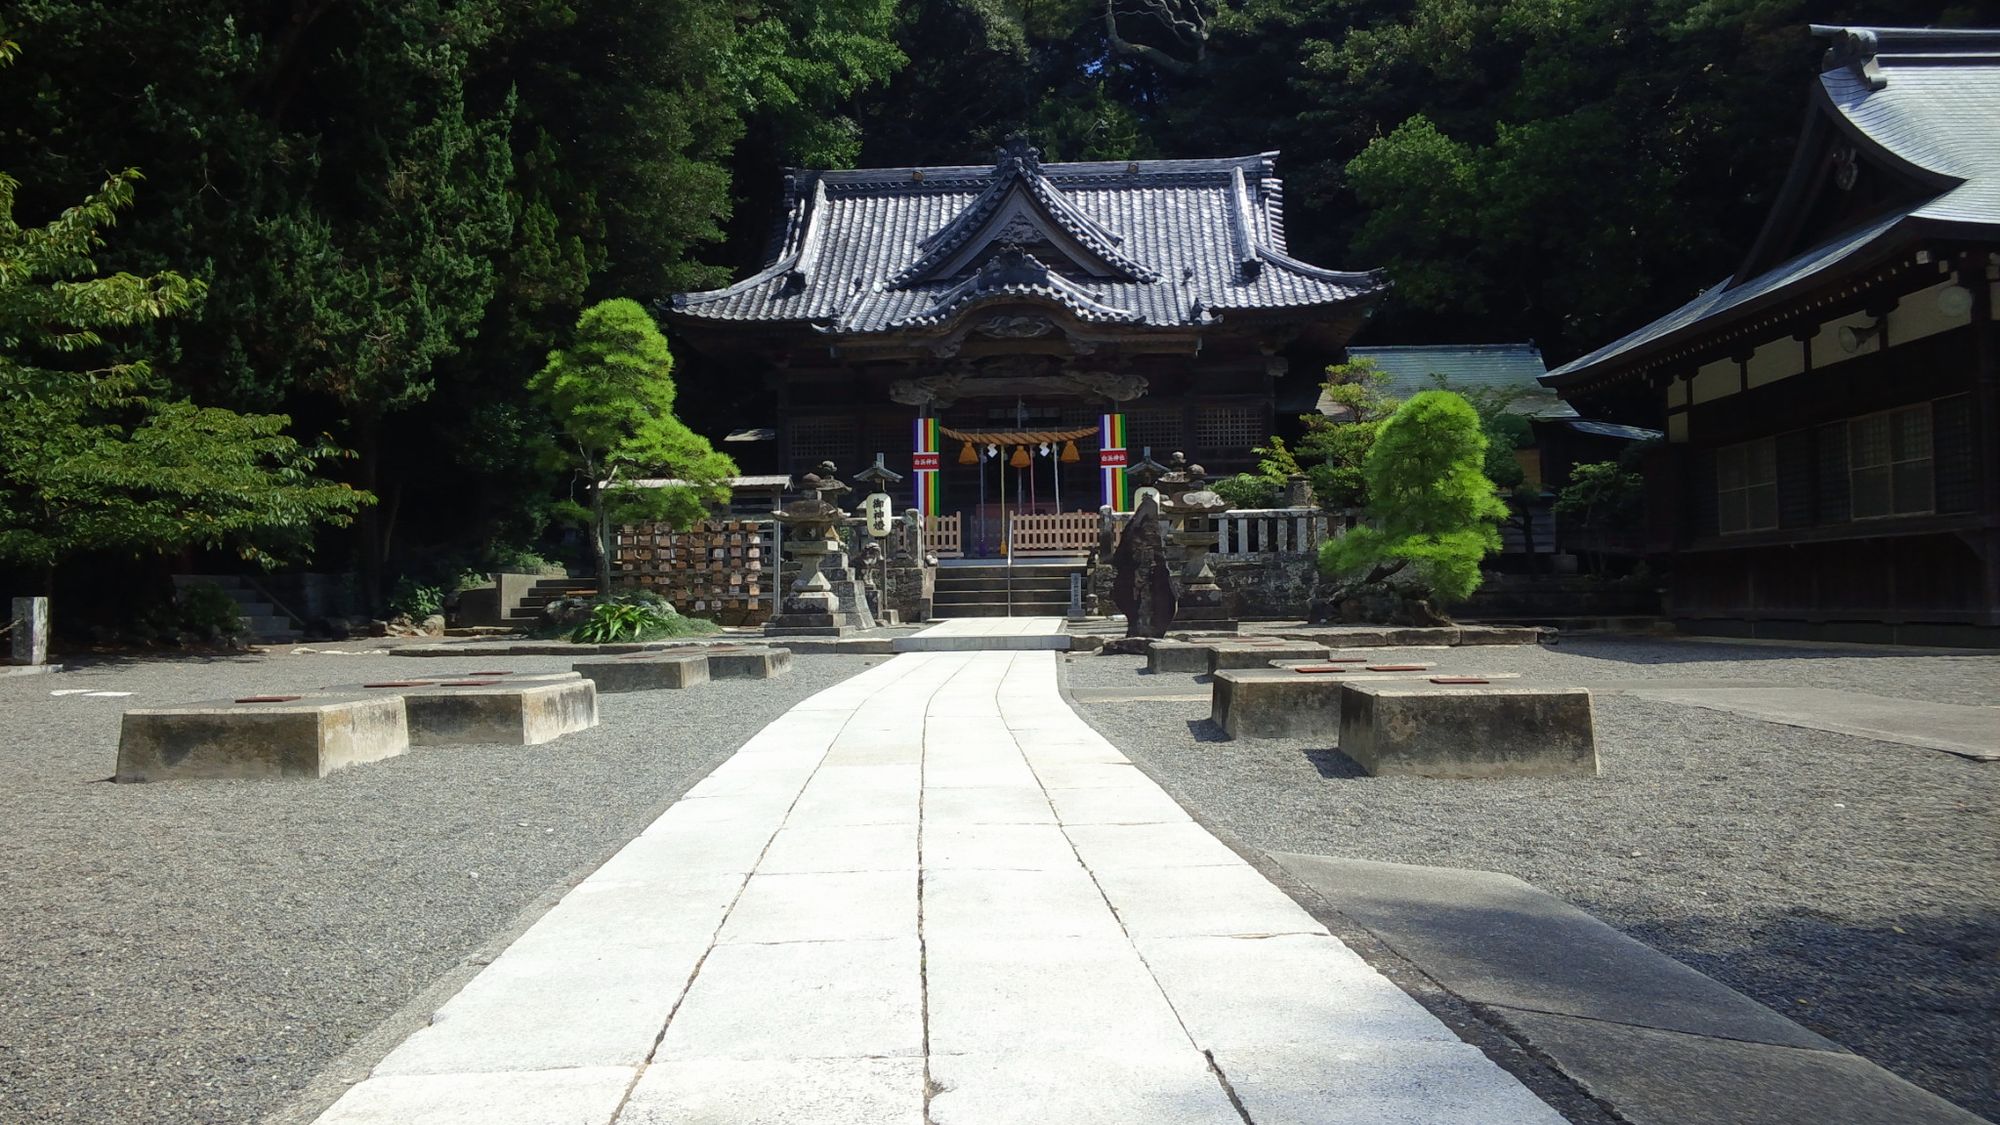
(31, 631)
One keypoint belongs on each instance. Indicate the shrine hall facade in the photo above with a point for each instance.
(1009, 336)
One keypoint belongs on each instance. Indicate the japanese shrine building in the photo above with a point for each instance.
(1832, 410)
(1021, 326)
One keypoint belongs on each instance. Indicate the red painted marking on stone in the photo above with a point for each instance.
(401, 683)
(1318, 669)
(466, 683)
(489, 673)
(1459, 680)
(1399, 667)
(269, 698)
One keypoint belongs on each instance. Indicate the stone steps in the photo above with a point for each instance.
(998, 590)
(261, 620)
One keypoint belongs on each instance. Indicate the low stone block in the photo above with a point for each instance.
(1292, 702)
(1433, 730)
(521, 713)
(1176, 656)
(261, 736)
(1246, 655)
(1499, 635)
(648, 672)
(747, 663)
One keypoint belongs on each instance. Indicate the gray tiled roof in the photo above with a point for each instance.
(1167, 243)
(1497, 366)
(1927, 101)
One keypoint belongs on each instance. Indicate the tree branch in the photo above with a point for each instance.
(1184, 19)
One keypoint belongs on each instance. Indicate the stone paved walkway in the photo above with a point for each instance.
(987, 634)
(932, 894)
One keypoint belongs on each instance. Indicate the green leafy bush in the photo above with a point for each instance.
(636, 615)
(415, 600)
(613, 622)
(200, 612)
(1249, 490)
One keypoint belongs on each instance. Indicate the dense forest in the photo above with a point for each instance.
(378, 217)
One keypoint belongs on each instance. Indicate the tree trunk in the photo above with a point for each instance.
(368, 524)
(600, 539)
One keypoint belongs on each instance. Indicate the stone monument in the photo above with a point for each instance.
(1143, 585)
(825, 600)
(30, 631)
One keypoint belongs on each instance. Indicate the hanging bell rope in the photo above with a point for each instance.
(1069, 455)
(1020, 458)
(1016, 437)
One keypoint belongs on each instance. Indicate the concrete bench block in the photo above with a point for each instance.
(524, 712)
(261, 736)
(748, 662)
(1176, 656)
(1260, 655)
(648, 672)
(1499, 635)
(1287, 703)
(1431, 730)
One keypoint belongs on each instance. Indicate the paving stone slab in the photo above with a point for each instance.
(1652, 1077)
(1131, 804)
(1057, 994)
(974, 904)
(1230, 899)
(1148, 845)
(1285, 990)
(1430, 730)
(1009, 804)
(646, 672)
(1036, 1087)
(260, 736)
(778, 1092)
(824, 906)
(1021, 847)
(857, 847)
(832, 999)
(469, 713)
(1361, 1083)
(1494, 939)
(584, 1096)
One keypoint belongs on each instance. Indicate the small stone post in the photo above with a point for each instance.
(31, 631)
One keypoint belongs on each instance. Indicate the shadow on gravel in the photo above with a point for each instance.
(1206, 730)
(1919, 994)
(1673, 650)
(1334, 765)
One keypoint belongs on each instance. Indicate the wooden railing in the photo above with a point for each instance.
(1058, 533)
(943, 536)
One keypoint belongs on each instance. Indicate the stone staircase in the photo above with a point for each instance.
(1038, 589)
(263, 621)
(528, 610)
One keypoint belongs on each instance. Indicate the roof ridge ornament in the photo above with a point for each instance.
(1017, 156)
(1854, 48)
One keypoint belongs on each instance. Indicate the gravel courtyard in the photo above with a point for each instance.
(1852, 884)
(197, 951)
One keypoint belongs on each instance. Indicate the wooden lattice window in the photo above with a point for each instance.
(1158, 429)
(1229, 429)
(1746, 486)
(823, 439)
(1889, 463)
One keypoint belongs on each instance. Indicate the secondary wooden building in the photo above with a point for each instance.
(1832, 408)
(1005, 334)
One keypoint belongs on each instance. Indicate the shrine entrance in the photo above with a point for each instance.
(1031, 489)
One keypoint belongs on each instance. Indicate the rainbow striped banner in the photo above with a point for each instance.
(1111, 461)
(924, 464)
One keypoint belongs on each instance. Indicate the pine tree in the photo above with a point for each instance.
(1432, 512)
(612, 395)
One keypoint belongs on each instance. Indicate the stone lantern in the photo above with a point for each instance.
(1187, 500)
(824, 600)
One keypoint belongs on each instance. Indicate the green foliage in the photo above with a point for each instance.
(108, 458)
(1602, 496)
(1333, 451)
(1249, 490)
(612, 395)
(636, 615)
(1432, 511)
(415, 600)
(201, 612)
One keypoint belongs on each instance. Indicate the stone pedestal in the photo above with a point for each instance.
(260, 736)
(828, 601)
(645, 671)
(1468, 732)
(30, 634)
(517, 713)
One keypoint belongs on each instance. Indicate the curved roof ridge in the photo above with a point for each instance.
(1019, 164)
(1016, 273)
